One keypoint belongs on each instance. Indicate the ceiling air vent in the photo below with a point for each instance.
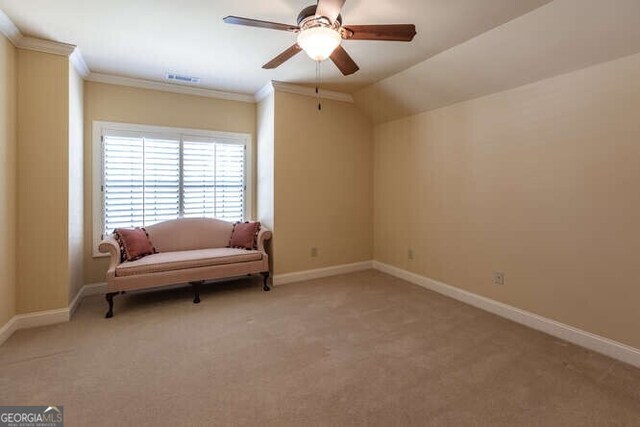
(182, 79)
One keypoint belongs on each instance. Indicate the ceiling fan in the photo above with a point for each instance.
(320, 34)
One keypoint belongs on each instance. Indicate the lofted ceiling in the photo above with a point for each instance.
(560, 37)
(149, 38)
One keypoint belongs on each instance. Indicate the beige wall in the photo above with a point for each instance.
(8, 183)
(301, 211)
(105, 102)
(43, 154)
(540, 182)
(323, 184)
(76, 207)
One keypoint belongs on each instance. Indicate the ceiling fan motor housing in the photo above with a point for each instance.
(308, 17)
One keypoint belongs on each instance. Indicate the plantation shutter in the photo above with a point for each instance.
(148, 178)
(213, 179)
(161, 180)
(123, 182)
(141, 181)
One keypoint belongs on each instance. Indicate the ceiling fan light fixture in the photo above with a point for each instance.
(320, 34)
(319, 42)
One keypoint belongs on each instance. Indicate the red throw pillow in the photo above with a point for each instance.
(245, 235)
(134, 243)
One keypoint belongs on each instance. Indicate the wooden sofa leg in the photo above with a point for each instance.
(196, 291)
(109, 297)
(266, 287)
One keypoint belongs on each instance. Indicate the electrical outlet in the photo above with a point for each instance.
(498, 278)
(410, 254)
(314, 252)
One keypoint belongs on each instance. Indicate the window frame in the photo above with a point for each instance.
(100, 128)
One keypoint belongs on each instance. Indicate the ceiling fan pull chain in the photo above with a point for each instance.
(318, 85)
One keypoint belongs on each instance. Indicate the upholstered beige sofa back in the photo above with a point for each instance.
(190, 233)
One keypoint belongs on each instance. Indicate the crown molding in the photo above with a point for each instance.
(46, 46)
(307, 91)
(275, 86)
(168, 87)
(78, 63)
(8, 28)
(265, 91)
(56, 48)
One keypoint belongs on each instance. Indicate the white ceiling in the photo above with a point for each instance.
(560, 37)
(148, 38)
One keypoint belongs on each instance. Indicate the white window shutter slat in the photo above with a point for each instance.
(147, 180)
(123, 182)
(213, 180)
(161, 180)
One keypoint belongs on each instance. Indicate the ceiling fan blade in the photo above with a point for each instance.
(343, 61)
(393, 32)
(329, 8)
(260, 24)
(283, 57)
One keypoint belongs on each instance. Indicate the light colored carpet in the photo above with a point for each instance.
(358, 349)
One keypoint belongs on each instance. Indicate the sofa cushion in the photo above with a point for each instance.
(245, 235)
(189, 233)
(134, 243)
(170, 261)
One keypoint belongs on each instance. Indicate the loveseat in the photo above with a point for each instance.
(189, 250)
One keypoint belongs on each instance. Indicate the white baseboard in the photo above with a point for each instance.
(94, 289)
(577, 336)
(85, 291)
(33, 320)
(299, 276)
(49, 317)
(7, 330)
(42, 318)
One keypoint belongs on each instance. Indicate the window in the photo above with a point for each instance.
(148, 174)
